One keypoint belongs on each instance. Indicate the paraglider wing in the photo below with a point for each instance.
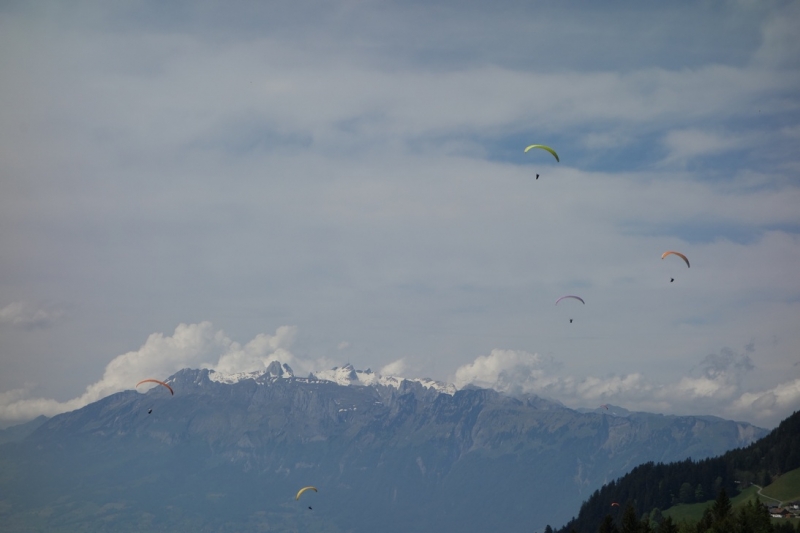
(543, 147)
(614, 504)
(172, 392)
(665, 254)
(301, 491)
(571, 296)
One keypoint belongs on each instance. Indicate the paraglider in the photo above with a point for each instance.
(614, 504)
(670, 252)
(172, 392)
(571, 296)
(543, 147)
(301, 491)
(665, 254)
(605, 405)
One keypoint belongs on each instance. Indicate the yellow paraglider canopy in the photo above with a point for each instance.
(301, 491)
(543, 147)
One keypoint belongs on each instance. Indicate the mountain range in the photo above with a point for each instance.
(228, 452)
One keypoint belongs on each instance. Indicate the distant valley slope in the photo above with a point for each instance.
(653, 486)
(228, 453)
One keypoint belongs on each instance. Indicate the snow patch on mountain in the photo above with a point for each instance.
(346, 376)
(275, 370)
(236, 377)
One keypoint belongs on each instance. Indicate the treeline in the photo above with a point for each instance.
(654, 486)
(718, 517)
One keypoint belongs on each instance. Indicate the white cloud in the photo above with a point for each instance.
(686, 144)
(717, 390)
(606, 139)
(26, 315)
(395, 368)
(714, 386)
(190, 346)
(258, 353)
(727, 364)
(771, 404)
(780, 46)
(507, 371)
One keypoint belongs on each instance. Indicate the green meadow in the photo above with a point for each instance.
(785, 489)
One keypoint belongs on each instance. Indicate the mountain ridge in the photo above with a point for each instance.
(406, 455)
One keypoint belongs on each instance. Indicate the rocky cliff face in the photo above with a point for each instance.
(229, 453)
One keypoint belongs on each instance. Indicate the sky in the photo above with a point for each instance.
(223, 184)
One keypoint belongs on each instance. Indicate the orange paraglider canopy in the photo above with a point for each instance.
(172, 392)
(665, 254)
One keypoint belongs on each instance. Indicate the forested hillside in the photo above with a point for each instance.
(659, 486)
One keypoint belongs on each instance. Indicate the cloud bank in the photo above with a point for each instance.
(190, 346)
(714, 387)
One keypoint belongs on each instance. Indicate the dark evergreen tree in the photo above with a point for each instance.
(706, 522)
(667, 526)
(717, 485)
(753, 517)
(686, 493)
(656, 516)
(608, 525)
(630, 524)
(722, 508)
(699, 493)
